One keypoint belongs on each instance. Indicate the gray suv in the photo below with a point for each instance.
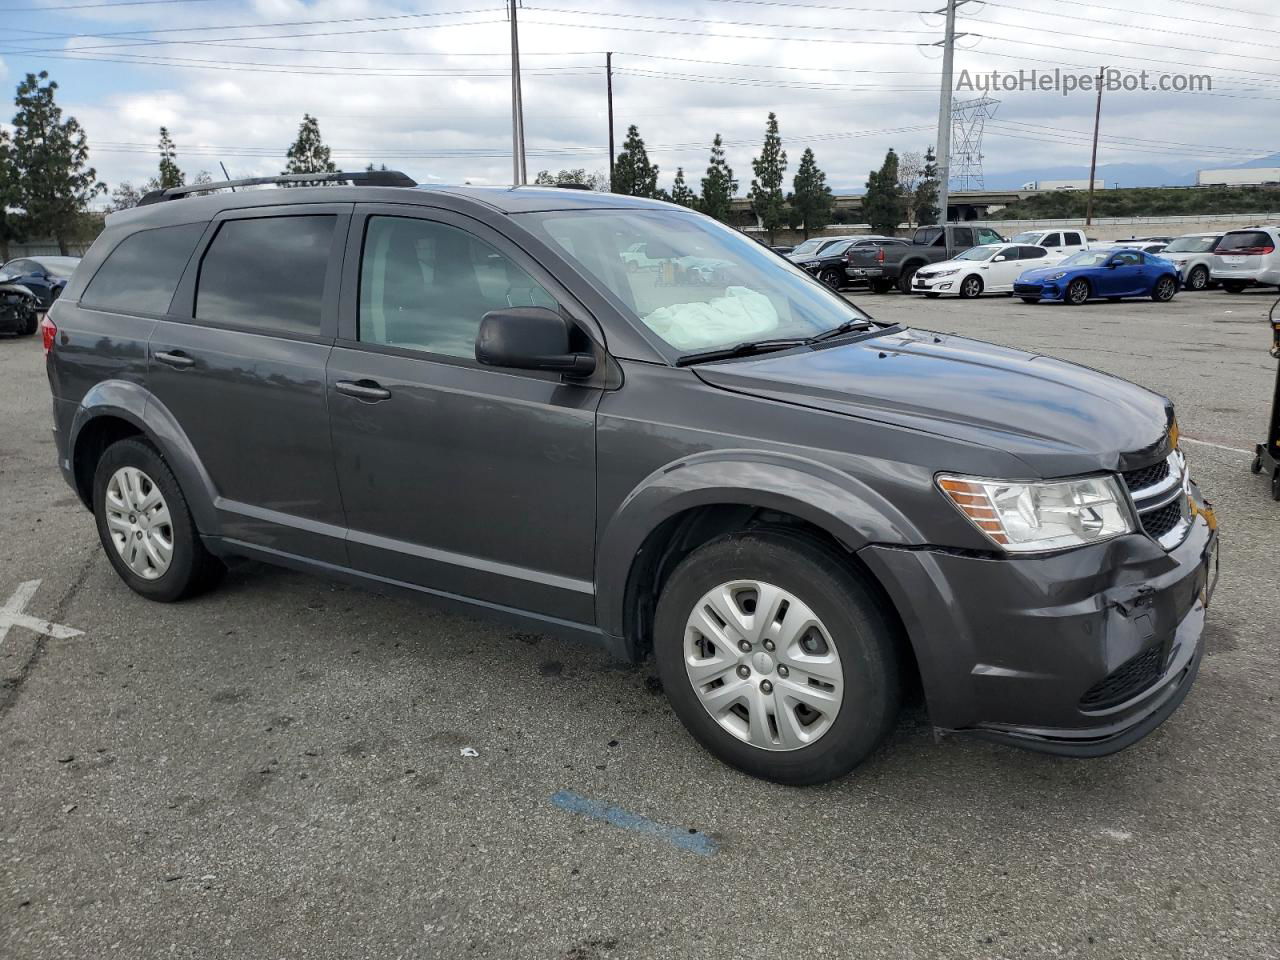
(799, 512)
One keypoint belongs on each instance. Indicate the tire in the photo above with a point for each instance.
(880, 286)
(1198, 278)
(1029, 299)
(1077, 292)
(971, 287)
(906, 276)
(190, 568)
(932, 295)
(31, 325)
(1234, 286)
(1275, 484)
(832, 279)
(1256, 466)
(1165, 289)
(860, 654)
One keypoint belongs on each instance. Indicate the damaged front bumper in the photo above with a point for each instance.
(1080, 653)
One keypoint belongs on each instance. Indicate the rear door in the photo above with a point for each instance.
(467, 480)
(240, 363)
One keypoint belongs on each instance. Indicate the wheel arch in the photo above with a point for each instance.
(116, 409)
(690, 503)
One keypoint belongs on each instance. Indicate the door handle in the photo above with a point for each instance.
(369, 391)
(175, 358)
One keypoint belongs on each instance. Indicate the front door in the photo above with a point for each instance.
(463, 479)
(242, 373)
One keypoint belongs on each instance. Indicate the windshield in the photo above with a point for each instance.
(1191, 245)
(1029, 236)
(710, 287)
(977, 253)
(1087, 258)
(809, 246)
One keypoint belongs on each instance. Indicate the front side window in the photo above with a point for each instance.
(1128, 259)
(1052, 240)
(712, 288)
(425, 285)
(141, 274)
(267, 274)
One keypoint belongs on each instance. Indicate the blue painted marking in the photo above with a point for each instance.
(698, 843)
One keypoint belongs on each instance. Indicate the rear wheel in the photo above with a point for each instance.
(904, 279)
(1198, 278)
(971, 287)
(145, 526)
(1164, 289)
(776, 658)
(1234, 286)
(1077, 292)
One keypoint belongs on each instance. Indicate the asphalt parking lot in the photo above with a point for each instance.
(277, 770)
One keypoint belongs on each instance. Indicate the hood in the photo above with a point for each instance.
(945, 265)
(1059, 418)
(1044, 273)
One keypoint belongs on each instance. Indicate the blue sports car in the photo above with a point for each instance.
(1094, 274)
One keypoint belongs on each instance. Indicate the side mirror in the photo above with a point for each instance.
(530, 338)
(1112, 264)
(1000, 259)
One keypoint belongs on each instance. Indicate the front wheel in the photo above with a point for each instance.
(1077, 292)
(1198, 278)
(145, 527)
(904, 279)
(776, 658)
(1164, 289)
(833, 279)
(971, 287)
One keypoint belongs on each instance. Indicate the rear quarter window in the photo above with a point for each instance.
(141, 274)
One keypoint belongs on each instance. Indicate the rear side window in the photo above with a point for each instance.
(963, 237)
(267, 273)
(142, 272)
(1032, 253)
(1073, 239)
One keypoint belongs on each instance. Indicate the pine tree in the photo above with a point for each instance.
(718, 186)
(50, 157)
(633, 174)
(170, 175)
(309, 153)
(596, 180)
(680, 192)
(883, 205)
(767, 200)
(811, 199)
(925, 200)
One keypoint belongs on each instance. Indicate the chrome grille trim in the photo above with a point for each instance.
(1150, 499)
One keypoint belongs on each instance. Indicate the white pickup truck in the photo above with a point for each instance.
(1059, 244)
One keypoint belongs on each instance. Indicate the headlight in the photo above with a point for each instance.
(943, 273)
(1058, 276)
(1029, 517)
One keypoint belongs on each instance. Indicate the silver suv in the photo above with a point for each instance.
(1245, 257)
(1193, 256)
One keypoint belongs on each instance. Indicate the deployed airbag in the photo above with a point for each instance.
(741, 314)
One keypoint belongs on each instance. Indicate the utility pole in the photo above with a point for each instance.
(1093, 160)
(519, 175)
(608, 73)
(944, 111)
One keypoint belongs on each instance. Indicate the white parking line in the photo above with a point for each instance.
(11, 615)
(1218, 446)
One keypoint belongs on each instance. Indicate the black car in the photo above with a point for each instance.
(797, 511)
(46, 277)
(828, 259)
(19, 310)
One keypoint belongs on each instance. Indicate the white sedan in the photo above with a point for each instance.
(990, 268)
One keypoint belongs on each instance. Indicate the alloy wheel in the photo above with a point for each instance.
(763, 665)
(1165, 289)
(139, 523)
(1078, 292)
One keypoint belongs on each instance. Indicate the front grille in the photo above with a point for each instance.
(1126, 681)
(1160, 521)
(1145, 477)
(1027, 288)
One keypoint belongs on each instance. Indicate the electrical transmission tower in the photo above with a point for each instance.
(967, 120)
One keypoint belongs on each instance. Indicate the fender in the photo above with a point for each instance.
(836, 502)
(133, 403)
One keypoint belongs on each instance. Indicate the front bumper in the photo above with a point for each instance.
(947, 284)
(1014, 648)
(1050, 290)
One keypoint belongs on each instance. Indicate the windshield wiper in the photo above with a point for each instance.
(744, 349)
(854, 323)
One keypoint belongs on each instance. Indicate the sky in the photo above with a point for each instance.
(425, 87)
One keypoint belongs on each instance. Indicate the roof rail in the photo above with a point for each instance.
(574, 186)
(366, 178)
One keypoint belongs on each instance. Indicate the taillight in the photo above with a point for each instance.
(48, 331)
(1252, 251)
(880, 255)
